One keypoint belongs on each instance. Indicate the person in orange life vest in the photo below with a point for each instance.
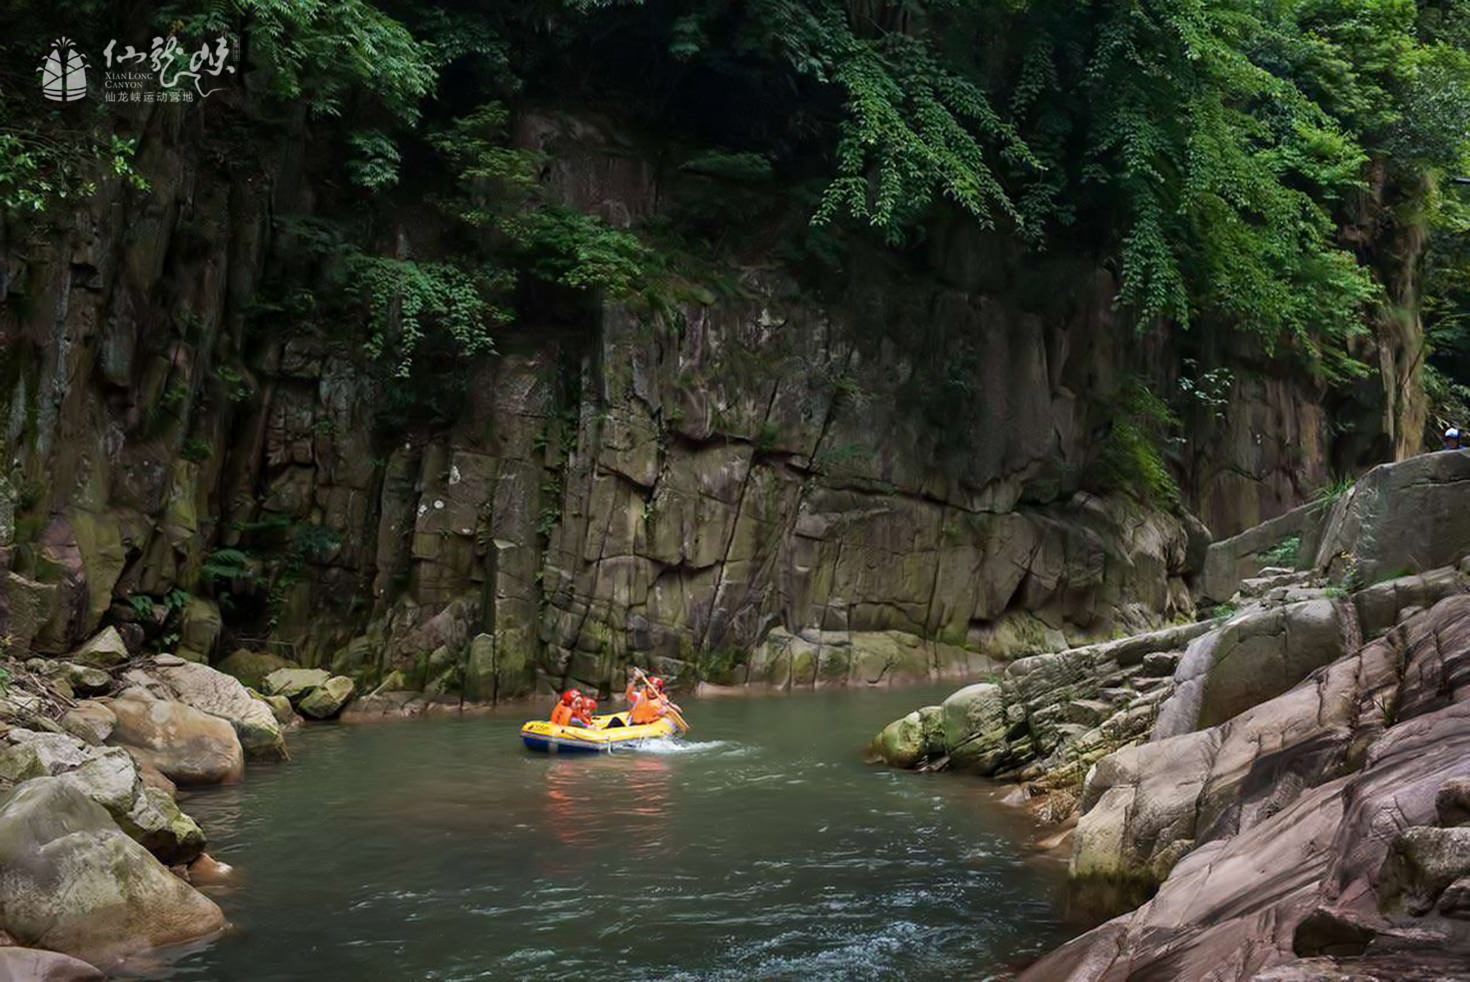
(562, 714)
(664, 702)
(643, 703)
(582, 715)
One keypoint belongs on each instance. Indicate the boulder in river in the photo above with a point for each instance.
(326, 700)
(221, 695)
(974, 727)
(293, 683)
(73, 882)
(187, 745)
(911, 739)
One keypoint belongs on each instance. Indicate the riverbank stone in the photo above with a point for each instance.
(326, 700)
(252, 667)
(222, 695)
(105, 650)
(74, 883)
(293, 683)
(911, 739)
(188, 746)
(974, 727)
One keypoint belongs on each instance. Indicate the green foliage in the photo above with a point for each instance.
(1130, 459)
(196, 450)
(321, 51)
(40, 169)
(4, 680)
(1334, 489)
(227, 566)
(374, 161)
(1284, 553)
(742, 167)
(407, 299)
(142, 605)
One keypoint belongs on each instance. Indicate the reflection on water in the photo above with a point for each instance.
(764, 849)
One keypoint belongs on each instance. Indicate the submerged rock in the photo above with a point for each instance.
(74, 883)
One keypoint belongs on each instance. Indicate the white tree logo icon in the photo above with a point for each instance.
(64, 73)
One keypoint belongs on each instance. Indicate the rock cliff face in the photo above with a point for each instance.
(668, 487)
(1282, 790)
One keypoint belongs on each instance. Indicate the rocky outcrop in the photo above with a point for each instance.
(1057, 712)
(311, 692)
(1255, 655)
(912, 739)
(111, 779)
(73, 883)
(221, 695)
(673, 489)
(1291, 539)
(188, 746)
(1399, 519)
(1308, 826)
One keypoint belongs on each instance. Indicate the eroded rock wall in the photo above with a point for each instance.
(669, 486)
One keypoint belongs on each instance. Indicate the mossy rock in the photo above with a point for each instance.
(251, 667)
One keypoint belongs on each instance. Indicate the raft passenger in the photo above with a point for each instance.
(562, 714)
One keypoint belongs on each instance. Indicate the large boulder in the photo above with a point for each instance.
(220, 695)
(90, 721)
(251, 667)
(110, 778)
(1254, 656)
(974, 727)
(104, 650)
(326, 700)
(293, 683)
(35, 965)
(912, 739)
(187, 745)
(1400, 518)
(74, 883)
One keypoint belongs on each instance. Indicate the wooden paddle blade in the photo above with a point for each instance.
(678, 720)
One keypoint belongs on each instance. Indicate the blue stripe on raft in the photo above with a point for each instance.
(552, 746)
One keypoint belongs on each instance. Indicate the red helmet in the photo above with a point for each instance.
(569, 696)
(658, 684)
(591, 704)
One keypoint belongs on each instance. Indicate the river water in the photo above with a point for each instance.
(761, 847)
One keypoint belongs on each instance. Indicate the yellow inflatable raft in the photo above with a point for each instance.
(606, 734)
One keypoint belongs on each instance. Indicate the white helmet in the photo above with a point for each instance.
(1452, 433)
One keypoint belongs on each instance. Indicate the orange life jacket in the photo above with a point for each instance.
(645, 710)
(562, 714)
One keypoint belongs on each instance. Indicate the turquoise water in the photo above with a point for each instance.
(760, 848)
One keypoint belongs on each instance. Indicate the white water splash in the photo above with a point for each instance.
(668, 746)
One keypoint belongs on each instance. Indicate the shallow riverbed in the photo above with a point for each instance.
(760, 848)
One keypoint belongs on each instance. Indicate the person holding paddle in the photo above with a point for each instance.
(650, 703)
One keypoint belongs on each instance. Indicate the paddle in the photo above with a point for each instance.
(669, 709)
